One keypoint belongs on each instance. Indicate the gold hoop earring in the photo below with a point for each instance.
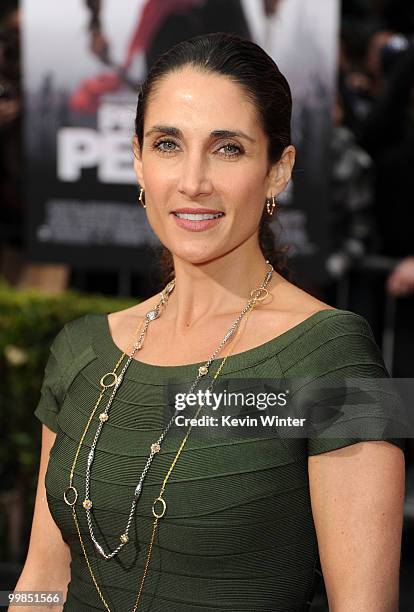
(141, 193)
(271, 204)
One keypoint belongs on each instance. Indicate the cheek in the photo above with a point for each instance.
(244, 194)
(153, 178)
(159, 191)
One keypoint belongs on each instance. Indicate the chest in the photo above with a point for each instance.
(165, 346)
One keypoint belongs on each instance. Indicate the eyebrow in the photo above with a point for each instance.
(172, 131)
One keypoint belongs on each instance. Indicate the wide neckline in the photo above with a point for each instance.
(105, 346)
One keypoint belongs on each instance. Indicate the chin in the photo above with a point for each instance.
(196, 257)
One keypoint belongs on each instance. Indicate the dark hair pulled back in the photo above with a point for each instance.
(248, 65)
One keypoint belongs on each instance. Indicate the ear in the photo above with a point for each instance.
(138, 161)
(281, 172)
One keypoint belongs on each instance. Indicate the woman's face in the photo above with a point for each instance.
(204, 150)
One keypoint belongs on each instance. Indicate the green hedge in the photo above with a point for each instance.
(29, 320)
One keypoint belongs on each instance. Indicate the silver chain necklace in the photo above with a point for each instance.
(115, 382)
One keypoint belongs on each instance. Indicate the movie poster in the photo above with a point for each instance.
(83, 62)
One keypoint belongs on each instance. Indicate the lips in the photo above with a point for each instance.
(198, 216)
(197, 220)
(196, 211)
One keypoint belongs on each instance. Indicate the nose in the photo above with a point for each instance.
(194, 177)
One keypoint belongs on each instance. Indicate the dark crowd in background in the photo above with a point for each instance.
(372, 177)
(11, 162)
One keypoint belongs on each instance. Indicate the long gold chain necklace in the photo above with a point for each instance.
(71, 495)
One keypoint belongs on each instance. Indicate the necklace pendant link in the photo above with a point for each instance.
(152, 314)
(65, 496)
(90, 457)
(100, 550)
(138, 489)
(229, 334)
(110, 384)
(257, 294)
(203, 370)
(164, 507)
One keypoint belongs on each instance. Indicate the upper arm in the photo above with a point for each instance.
(355, 442)
(357, 497)
(47, 565)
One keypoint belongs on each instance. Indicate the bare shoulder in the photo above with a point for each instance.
(134, 312)
(294, 304)
(121, 322)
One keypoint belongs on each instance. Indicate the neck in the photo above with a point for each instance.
(218, 287)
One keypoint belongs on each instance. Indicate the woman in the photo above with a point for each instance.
(240, 522)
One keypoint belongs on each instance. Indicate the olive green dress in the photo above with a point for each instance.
(238, 533)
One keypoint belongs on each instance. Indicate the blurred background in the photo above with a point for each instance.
(73, 238)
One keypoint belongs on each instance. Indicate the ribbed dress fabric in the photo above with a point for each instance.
(238, 533)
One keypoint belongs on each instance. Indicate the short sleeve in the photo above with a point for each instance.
(51, 393)
(347, 394)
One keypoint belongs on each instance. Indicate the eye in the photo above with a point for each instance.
(167, 149)
(232, 150)
(167, 146)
